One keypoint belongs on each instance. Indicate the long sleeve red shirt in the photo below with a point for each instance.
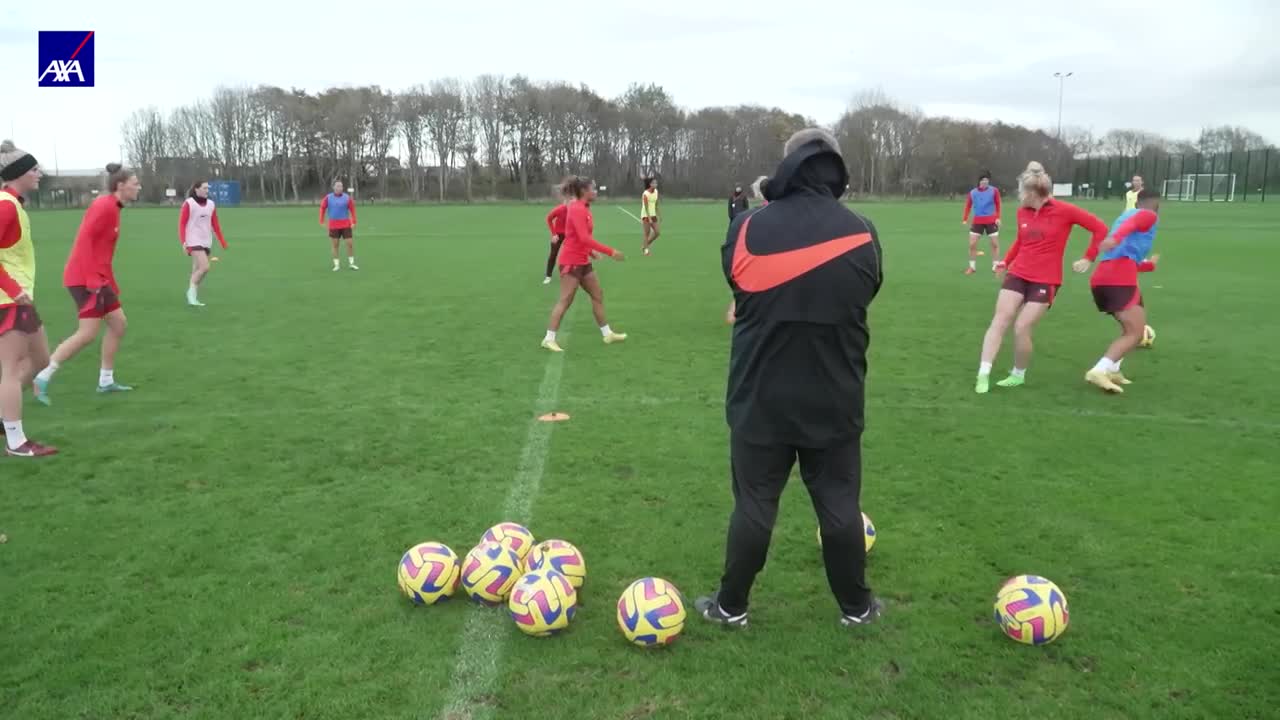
(10, 234)
(981, 219)
(90, 262)
(185, 216)
(343, 223)
(1122, 271)
(555, 219)
(1036, 256)
(578, 243)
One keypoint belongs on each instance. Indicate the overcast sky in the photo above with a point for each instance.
(1171, 68)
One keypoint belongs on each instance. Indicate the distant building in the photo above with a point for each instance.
(68, 188)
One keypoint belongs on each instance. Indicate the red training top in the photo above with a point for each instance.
(90, 262)
(1123, 271)
(1036, 255)
(213, 222)
(1120, 271)
(981, 219)
(10, 234)
(555, 219)
(343, 223)
(578, 243)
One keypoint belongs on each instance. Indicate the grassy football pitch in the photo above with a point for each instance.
(223, 542)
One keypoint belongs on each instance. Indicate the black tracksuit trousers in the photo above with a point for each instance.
(833, 476)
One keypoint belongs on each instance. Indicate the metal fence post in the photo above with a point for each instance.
(1266, 166)
(1247, 157)
(1195, 191)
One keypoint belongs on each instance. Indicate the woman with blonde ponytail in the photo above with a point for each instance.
(24, 347)
(1034, 264)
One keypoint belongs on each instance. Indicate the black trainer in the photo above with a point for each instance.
(868, 616)
(709, 608)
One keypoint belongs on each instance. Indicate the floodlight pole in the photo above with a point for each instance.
(1061, 83)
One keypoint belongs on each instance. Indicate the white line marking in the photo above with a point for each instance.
(485, 632)
(633, 217)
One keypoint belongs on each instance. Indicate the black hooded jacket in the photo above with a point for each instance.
(803, 270)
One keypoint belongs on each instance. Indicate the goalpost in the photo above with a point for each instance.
(1220, 187)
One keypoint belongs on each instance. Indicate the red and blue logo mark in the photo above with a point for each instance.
(66, 58)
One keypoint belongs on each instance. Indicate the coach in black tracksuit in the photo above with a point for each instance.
(803, 270)
(737, 203)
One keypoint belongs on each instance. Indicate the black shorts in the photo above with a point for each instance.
(985, 228)
(578, 271)
(196, 249)
(1112, 299)
(94, 305)
(1031, 292)
(19, 318)
(338, 233)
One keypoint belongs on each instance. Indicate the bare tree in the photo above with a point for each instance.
(487, 98)
(508, 135)
(145, 140)
(412, 106)
(1227, 138)
(445, 114)
(383, 123)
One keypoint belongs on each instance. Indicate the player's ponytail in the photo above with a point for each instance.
(573, 187)
(117, 175)
(565, 188)
(1034, 184)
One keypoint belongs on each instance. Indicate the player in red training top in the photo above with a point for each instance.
(340, 210)
(1034, 262)
(984, 201)
(555, 223)
(91, 280)
(23, 343)
(1115, 284)
(757, 191)
(575, 262)
(197, 226)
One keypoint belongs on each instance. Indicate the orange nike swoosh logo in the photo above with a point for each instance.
(757, 273)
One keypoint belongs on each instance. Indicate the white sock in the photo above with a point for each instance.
(106, 377)
(973, 264)
(13, 434)
(336, 262)
(1018, 372)
(46, 374)
(1117, 364)
(984, 368)
(605, 331)
(550, 337)
(1103, 365)
(352, 260)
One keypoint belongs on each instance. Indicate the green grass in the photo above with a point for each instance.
(222, 543)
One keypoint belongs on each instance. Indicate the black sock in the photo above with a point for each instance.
(551, 257)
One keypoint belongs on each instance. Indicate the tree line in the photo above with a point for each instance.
(510, 137)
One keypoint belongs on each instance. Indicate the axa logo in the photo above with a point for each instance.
(66, 58)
